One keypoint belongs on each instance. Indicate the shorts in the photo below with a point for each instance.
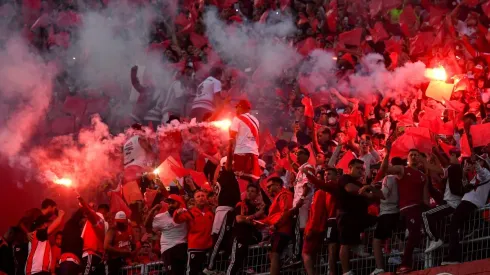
(247, 165)
(332, 233)
(279, 241)
(304, 213)
(386, 224)
(312, 242)
(115, 265)
(351, 226)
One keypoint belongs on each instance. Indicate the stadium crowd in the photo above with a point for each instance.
(301, 161)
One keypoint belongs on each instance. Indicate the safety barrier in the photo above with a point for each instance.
(475, 240)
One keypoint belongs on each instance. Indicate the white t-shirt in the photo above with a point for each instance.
(134, 154)
(299, 186)
(205, 93)
(172, 233)
(479, 196)
(390, 191)
(245, 140)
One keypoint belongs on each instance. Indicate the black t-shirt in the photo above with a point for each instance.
(348, 202)
(72, 241)
(245, 230)
(6, 257)
(228, 189)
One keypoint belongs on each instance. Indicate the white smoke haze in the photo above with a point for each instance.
(88, 158)
(25, 92)
(253, 45)
(113, 40)
(375, 77)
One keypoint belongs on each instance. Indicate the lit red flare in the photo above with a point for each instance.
(222, 124)
(436, 74)
(64, 181)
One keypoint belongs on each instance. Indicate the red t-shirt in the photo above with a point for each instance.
(411, 188)
(318, 213)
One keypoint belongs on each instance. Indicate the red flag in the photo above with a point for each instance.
(480, 134)
(63, 125)
(228, 3)
(258, 3)
(408, 16)
(165, 171)
(465, 146)
(75, 106)
(319, 99)
(455, 105)
(181, 20)
(198, 41)
(117, 204)
(462, 85)
(302, 19)
(267, 141)
(344, 161)
(331, 16)
(200, 179)
(263, 17)
(283, 4)
(421, 42)
(150, 195)
(378, 32)
(306, 101)
(375, 6)
(393, 45)
(445, 147)
(306, 46)
(351, 37)
(486, 8)
(391, 4)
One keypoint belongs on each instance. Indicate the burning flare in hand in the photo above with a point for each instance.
(64, 181)
(222, 124)
(436, 74)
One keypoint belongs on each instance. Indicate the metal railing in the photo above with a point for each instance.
(475, 240)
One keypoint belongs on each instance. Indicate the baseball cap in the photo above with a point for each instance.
(244, 104)
(261, 164)
(120, 217)
(177, 198)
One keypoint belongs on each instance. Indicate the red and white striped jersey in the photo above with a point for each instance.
(39, 257)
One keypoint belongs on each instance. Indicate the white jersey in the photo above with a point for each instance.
(39, 257)
(205, 93)
(389, 205)
(245, 139)
(134, 154)
(172, 232)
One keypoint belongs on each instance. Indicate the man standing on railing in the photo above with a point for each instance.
(199, 220)
(303, 195)
(453, 175)
(244, 131)
(477, 198)
(228, 196)
(414, 199)
(244, 232)
(322, 218)
(279, 221)
(352, 214)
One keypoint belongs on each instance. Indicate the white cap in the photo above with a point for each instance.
(261, 164)
(120, 216)
(223, 161)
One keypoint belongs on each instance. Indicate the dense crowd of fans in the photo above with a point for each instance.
(300, 160)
